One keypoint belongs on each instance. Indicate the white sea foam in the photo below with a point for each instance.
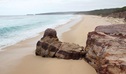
(14, 29)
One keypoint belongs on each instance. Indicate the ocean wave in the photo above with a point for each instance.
(16, 30)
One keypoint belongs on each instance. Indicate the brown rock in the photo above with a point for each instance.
(70, 51)
(42, 47)
(50, 46)
(106, 49)
(125, 19)
(50, 33)
(53, 48)
(113, 30)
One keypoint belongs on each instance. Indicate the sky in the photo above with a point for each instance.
(22, 7)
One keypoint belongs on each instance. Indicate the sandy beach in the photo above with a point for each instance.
(20, 58)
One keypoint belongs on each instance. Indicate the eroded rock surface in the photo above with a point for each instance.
(106, 49)
(50, 46)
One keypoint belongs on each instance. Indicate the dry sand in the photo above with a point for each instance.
(78, 32)
(20, 58)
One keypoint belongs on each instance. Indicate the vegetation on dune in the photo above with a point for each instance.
(105, 12)
(112, 12)
(121, 9)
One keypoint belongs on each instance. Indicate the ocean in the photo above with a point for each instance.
(14, 29)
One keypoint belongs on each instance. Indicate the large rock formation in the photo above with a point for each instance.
(106, 49)
(50, 46)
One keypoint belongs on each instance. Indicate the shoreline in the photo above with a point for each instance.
(66, 28)
(20, 58)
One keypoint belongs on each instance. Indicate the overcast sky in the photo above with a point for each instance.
(21, 7)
